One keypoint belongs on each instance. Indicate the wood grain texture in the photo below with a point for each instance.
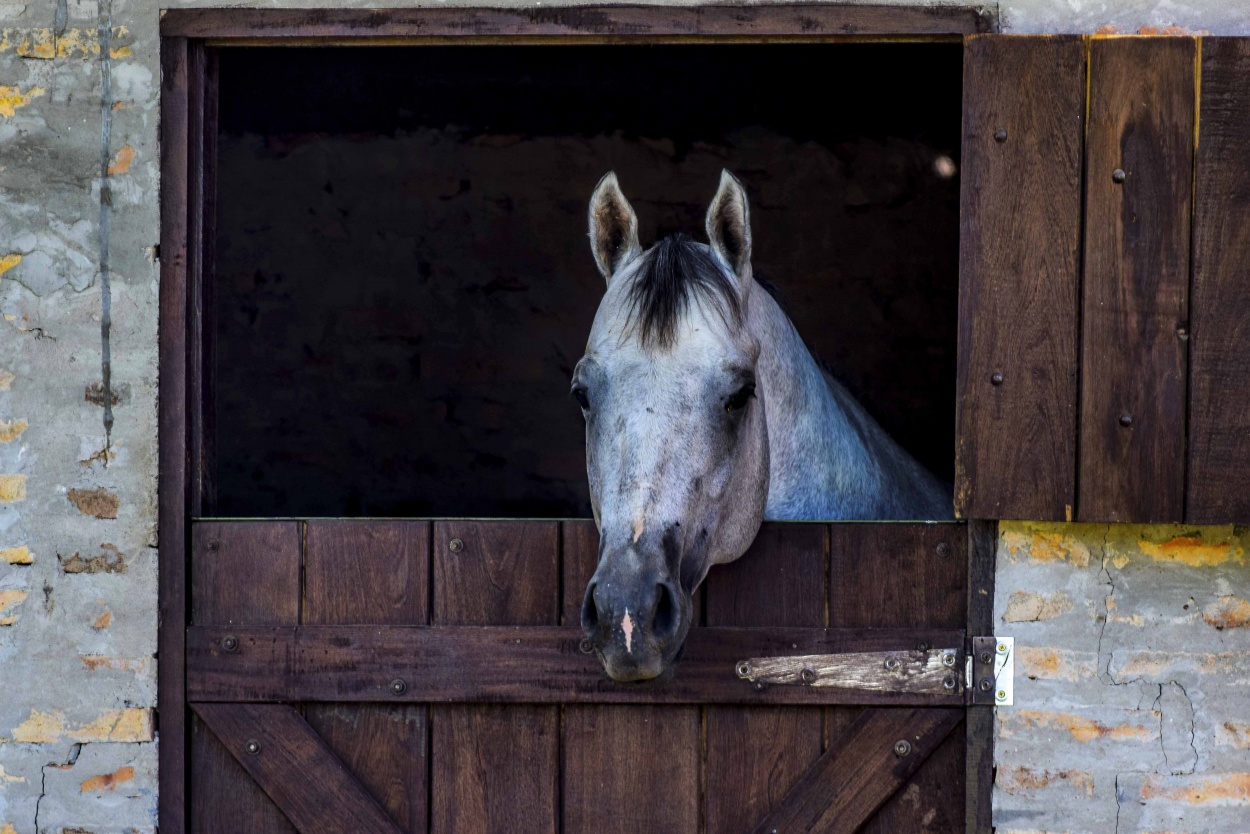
(978, 743)
(631, 768)
(495, 768)
(526, 664)
(358, 572)
(1020, 207)
(242, 573)
(245, 572)
(1219, 421)
(810, 22)
(296, 769)
(756, 754)
(898, 575)
(861, 771)
(172, 434)
(1135, 311)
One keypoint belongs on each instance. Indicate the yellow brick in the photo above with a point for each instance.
(117, 725)
(9, 599)
(19, 555)
(12, 488)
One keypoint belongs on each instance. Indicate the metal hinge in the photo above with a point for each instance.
(924, 671)
(990, 671)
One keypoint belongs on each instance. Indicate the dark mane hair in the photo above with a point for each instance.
(671, 273)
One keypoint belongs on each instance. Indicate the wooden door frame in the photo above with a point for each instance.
(188, 118)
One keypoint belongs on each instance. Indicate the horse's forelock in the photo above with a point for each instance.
(673, 272)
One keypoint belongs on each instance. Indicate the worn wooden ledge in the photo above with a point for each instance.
(541, 664)
(601, 23)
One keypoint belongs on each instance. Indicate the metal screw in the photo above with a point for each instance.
(1126, 420)
(891, 663)
(456, 545)
(949, 682)
(252, 747)
(986, 685)
(586, 645)
(986, 657)
(230, 643)
(996, 379)
(1002, 694)
(744, 669)
(808, 675)
(1118, 175)
(902, 747)
(943, 549)
(398, 686)
(1002, 648)
(1000, 135)
(948, 660)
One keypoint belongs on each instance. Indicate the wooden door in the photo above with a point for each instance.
(422, 676)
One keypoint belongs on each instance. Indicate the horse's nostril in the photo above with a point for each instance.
(590, 611)
(667, 612)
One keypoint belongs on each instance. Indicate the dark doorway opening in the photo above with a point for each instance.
(403, 280)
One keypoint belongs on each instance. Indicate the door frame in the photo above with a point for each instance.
(189, 39)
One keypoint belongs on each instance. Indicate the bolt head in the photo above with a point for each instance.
(922, 647)
(808, 675)
(456, 545)
(1126, 420)
(1001, 695)
(1002, 648)
(743, 669)
(252, 747)
(1118, 176)
(948, 682)
(902, 747)
(398, 686)
(230, 643)
(1000, 135)
(996, 379)
(943, 549)
(586, 645)
(986, 685)
(891, 663)
(948, 660)
(986, 657)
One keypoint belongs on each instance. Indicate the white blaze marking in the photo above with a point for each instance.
(627, 626)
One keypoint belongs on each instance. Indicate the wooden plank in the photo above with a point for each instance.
(755, 755)
(1139, 154)
(502, 664)
(861, 771)
(292, 764)
(245, 572)
(242, 573)
(898, 575)
(932, 801)
(625, 768)
(808, 21)
(359, 572)
(631, 768)
(1020, 208)
(495, 768)
(979, 721)
(172, 431)
(1219, 372)
(203, 294)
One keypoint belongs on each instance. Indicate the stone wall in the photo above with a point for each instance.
(78, 296)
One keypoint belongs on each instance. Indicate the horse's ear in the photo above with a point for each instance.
(729, 224)
(613, 227)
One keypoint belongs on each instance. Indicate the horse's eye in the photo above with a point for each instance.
(740, 399)
(579, 394)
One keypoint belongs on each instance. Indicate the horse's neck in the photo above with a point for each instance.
(828, 458)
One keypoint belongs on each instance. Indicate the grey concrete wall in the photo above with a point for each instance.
(1132, 658)
(78, 296)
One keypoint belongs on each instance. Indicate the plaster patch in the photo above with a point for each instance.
(112, 560)
(100, 502)
(117, 725)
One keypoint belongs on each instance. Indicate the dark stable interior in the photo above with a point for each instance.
(404, 281)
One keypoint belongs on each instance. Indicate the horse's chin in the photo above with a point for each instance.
(656, 671)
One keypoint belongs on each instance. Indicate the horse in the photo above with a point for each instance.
(705, 415)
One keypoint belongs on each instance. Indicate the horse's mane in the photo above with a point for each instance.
(671, 273)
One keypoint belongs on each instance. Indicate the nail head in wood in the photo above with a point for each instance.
(1000, 135)
(252, 747)
(996, 379)
(456, 545)
(902, 747)
(230, 643)
(1126, 420)
(1118, 176)
(586, 646)
(891, 663)
(398, 686)
(808, 675)
(943, 549)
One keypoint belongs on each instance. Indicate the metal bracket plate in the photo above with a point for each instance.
(991, 669)
(932, 671)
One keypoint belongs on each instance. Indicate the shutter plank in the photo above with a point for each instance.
(1219, 421)
(1020, 208)
(1136, 288)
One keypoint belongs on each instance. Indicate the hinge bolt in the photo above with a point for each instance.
(1001, 694)
(1002, 648)
(230, 643)
(808, 675)
(743, 669)
(398, 686)
(456, 545)
(949, 682)
(252, 747)
(986, 685)
(986, 657)
(891, 663)
(902, 747)
(948, 660)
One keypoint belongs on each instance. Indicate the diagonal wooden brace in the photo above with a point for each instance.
(296, 769)
(861, 770)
